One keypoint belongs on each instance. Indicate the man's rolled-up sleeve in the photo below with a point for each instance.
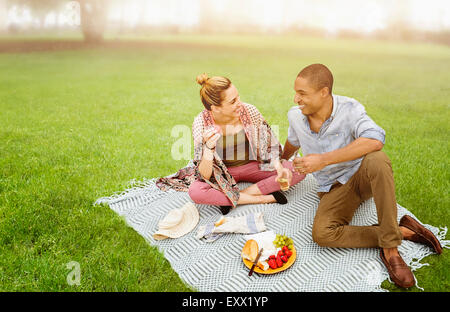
(365, 127)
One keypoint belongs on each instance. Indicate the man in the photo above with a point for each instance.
(342, 149)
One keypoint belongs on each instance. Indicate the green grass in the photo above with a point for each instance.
(78, 125)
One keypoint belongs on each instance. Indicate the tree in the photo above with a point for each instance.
(92, 14)
(93, 19)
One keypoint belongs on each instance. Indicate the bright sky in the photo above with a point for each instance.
(333, 15)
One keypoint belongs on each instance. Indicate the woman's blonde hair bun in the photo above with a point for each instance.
(212, 88)
(202, 78)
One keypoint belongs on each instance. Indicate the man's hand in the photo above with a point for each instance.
(309, 163)
(356, 149)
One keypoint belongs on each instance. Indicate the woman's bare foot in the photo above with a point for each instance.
(252, 190)
(245, 198)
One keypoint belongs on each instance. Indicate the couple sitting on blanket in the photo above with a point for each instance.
(341, 145)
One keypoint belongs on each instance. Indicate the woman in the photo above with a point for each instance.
(233, 143)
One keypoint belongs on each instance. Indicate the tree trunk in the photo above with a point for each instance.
(93, 19)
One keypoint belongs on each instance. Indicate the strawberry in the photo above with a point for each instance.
(273, 263)
(288, 253)
(272, 257)
(280, 253)
(284, 258)
(279, 262)
(285, 248)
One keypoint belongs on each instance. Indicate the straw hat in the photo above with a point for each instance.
(178, 222)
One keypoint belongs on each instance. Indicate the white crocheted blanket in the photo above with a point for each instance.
(218, 266)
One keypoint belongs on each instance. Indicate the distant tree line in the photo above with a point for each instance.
(93, 23)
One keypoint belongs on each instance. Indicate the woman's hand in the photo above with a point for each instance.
(283, 172)
(210, 137)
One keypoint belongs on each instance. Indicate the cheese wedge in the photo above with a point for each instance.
(263, 265)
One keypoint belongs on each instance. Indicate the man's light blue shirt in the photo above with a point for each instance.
(348, 121)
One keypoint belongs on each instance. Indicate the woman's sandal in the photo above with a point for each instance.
(279, 197)
(225, 209)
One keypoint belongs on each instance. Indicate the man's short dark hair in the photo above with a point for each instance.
(318, 75)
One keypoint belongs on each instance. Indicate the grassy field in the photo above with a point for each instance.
(78, 125)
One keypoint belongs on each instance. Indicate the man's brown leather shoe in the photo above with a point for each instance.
(422, 234)
(399, 272)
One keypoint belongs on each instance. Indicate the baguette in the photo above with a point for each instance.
(250, 250)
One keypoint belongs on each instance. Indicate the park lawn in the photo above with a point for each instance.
(79, 125)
